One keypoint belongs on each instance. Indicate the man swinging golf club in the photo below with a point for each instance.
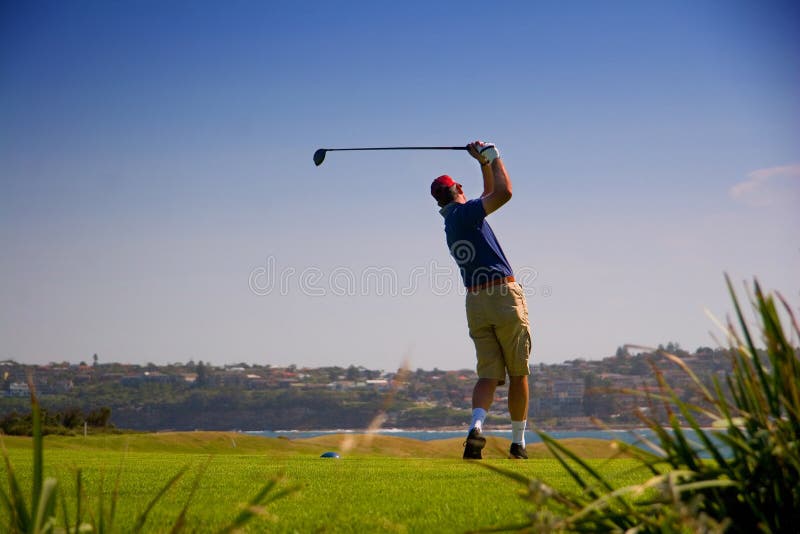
(497, 314)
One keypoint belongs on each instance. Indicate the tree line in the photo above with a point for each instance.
(69, 421)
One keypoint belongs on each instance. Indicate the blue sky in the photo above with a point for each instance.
(156, 174)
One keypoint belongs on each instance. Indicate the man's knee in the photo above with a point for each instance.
(488, 381)
(518, 385)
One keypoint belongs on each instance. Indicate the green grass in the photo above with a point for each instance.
(375, 487)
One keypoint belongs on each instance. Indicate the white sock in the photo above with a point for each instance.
(518, 432)
(478, 416)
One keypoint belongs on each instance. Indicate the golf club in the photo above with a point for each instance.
(319, 155)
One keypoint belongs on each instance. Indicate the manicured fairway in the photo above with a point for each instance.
(370, 489)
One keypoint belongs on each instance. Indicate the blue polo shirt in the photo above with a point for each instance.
(472, 243)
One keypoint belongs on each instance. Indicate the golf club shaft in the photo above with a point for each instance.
(319, 155)
(401, 148)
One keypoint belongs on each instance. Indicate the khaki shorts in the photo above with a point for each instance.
(498, 324)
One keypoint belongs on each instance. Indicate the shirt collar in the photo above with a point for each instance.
(446, 209)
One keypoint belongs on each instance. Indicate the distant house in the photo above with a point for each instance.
(378, 383)
(55, 387)
(18, 389)
(567, 389)
(131, 381)
(158, 377)
(82, 377)
(256, 382)
(559, 398)
(152, 377)
(342, 385)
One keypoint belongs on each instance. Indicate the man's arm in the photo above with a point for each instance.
(501, 191)
(488, 179)
(496, 183)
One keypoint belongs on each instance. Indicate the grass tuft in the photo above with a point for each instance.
(742, 475)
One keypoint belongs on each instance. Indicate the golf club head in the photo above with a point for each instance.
(319, 157)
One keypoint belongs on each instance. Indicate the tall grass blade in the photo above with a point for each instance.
(18, 511)
(64, 511)
(100, 525)
(180, 522)
(543, 491)
(517, 477)
(38, 448)
(246, 514)
(45, 513)
(560, 451)
(112, 512)
(256, 504)
(765, 388)
(78, 499)
(6, 502)
(142, 519)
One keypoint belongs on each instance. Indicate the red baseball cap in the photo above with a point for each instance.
(441, 184)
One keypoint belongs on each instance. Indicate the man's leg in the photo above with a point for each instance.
(518, 408)
(513, 333)
(517, 397)
(490, 369)
(483, 393)
(482, 397)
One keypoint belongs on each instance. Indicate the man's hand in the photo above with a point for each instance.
(485, 153)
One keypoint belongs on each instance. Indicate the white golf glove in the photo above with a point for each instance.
(489, 151)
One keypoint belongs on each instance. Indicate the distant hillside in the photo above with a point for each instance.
(198, 396)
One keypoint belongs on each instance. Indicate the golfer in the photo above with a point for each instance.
(497, 314)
